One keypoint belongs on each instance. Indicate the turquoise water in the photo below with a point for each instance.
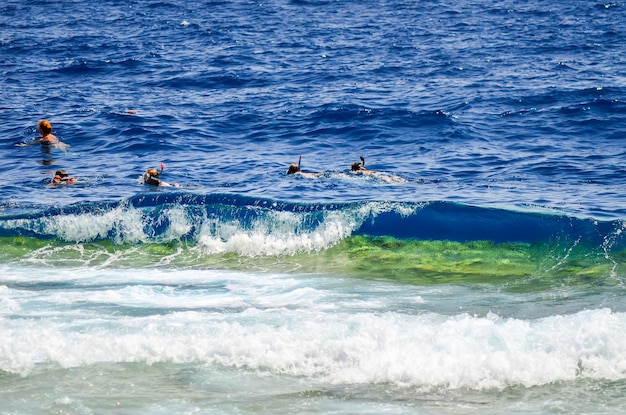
(480, 269)
(149, 340)
(165, 304)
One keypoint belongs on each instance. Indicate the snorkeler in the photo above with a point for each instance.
(294, 168)
(62, 177)
(359, 168)
(153, 178)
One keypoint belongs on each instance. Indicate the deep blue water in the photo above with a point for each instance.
(487, 276)
(507, 104)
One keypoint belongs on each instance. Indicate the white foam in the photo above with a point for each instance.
(125, 223)
(459, 352)
(304, 327)
(287, 233)
(268, 233)
(275, 233)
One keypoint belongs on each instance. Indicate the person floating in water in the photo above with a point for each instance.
(359, 168)
(153, 178)
(294, 169)
(62, 177)
(45, 129)
(47, 139)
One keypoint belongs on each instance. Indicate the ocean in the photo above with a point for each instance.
(478, 266)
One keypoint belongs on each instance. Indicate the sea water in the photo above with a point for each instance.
(480, 269)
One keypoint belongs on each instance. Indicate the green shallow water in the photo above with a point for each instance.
(515, 266)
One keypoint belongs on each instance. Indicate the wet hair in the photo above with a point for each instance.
(61, 173)
(44, 127)
(357, 166)
(293, 169)
(153, 172)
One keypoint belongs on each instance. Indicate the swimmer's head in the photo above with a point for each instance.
(44, 127)
(293, 168)
(152, 172)
(357, 166)
(61, 173)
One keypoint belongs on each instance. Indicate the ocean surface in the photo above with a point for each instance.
(481, 269)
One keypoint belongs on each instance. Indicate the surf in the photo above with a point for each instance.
(417, 243)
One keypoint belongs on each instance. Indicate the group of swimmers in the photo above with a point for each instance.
(152, 176)
(355, 168)
(49, 139)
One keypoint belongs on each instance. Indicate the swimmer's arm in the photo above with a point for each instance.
(310, 175)
(31, 143)
(165, 184)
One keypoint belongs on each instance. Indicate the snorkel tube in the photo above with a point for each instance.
(294, 168)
